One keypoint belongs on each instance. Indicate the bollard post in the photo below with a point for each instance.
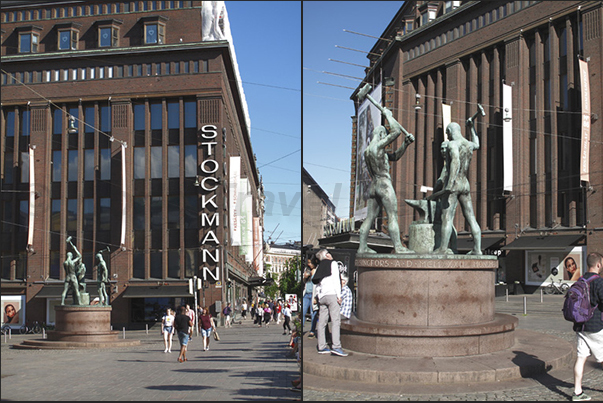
(541, 293)
(525, 305)
(10, 333)
(507, 295)
(43, 333)
(124, 331)
(147, 327)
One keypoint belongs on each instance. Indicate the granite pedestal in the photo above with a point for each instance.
(417, 305)
(81, 326)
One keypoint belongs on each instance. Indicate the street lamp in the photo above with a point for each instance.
(72, 129)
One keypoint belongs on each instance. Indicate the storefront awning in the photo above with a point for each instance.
(548, 242)
(156, 291)
(466, 244)
(55, 291)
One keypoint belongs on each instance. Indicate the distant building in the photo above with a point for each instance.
(161, 127)
(276, 257)
(319, 210)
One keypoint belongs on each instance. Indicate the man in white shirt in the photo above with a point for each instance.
(328, 285)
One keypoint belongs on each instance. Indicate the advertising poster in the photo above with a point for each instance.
(544, 267)
(369, 117)
(291, 299)
(13, 310)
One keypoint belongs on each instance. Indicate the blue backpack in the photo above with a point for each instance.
(577, 307)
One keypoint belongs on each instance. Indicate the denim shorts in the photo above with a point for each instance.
(206, 332)
(167, 329)
(183, 338)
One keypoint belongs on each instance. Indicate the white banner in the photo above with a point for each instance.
(246, 215)
(507, 139)
(32, 198)
(123, 195)
(233, 207)
(446, 117)
(369, 117)
(257, 243)
(585, 145)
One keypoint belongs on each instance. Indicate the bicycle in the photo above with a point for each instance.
(556, 288)
(6, 329)
(35, 329)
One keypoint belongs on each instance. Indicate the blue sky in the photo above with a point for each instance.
(267, 40)
(327, 108)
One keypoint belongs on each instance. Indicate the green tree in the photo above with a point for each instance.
(290, 280)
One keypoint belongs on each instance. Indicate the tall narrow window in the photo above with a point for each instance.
(72, 166)
(173, 115)
(156, 162)
(88, 164)
(105, 116)
(156, 120)
(56, 165)
(190, 115)
(139, 163)
(71, 214)
(104, 216)
(173, 161)
(88, 214)
(105, 164)
(190, 161)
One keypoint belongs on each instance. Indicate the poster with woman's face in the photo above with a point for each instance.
(10, 312)
(571, 267)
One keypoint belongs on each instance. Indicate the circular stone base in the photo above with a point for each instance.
(532, 353)
(81, 326)
(433, 341)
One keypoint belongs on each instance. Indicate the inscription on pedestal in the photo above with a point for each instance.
(401, 263)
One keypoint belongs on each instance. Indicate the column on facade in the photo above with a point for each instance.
(38, 264)
(482, 196)
(431, 115)
(554, 76)
(541, 169)
(420, 141)
(407, 162)
(438, 135)
(471, 108)
(515, 60)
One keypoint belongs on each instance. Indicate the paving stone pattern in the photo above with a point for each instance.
(544, 317)
(248, 363)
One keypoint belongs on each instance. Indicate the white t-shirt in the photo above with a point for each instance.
(168, 320)
(287, 312)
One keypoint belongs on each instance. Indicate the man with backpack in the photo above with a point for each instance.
(590, 333)
(227, 311)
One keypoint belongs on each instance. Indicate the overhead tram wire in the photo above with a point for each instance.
(370, 36)
(111, 138)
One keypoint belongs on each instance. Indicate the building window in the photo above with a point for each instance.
(154, 30)
(139, 163)
(105, 164)
(108, 36)
(88, 164)
(156, 162)
(28, 42)
(68, 39)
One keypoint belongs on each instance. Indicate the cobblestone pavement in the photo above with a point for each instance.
(248, 363)
(544, 317)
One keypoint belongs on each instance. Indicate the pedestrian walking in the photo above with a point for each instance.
(278, 311)
(589, 335)
(167, 329)
(329, 301)
(267, 314)
(287, 319)
(227, 311)
(183, 323)
(244, 309)
(191, 314)
(207, 325)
